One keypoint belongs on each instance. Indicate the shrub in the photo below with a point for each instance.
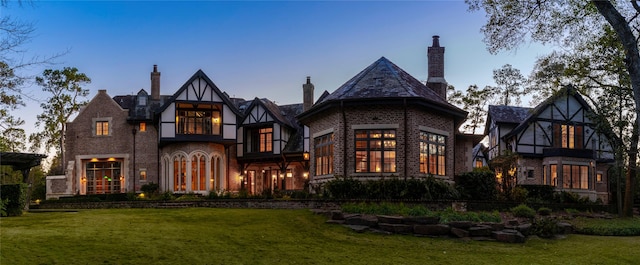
(518, 194)
(15, 196)
(477, 185)
(189, 197)
(545, 227)
(540, 193)
(523, 210)
(440, 190)
(449, 215)
(544, 211)
(150, 188)
(167, 196)
(345, 188)
(3, 207)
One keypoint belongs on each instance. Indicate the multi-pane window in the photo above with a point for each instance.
(143, 126)
(103, 177)
(375, 151)
(323, 152)
(266, 139)
(432, 153)
(554, 175)
(259, 140)
(200, 119)
(568, 136)
(198, 173)
(102, 128)
(575, 177)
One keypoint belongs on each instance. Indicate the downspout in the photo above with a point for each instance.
(344, 140)
(406, 139)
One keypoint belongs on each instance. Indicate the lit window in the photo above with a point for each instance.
(143, 127)
(575, 177)
(259, 140)
(266, 142)
(323, 153)
(143, 174)
(568, 136)
(375, 151)
(200, 119)
(479, 162)
(433, 153)
(599, 177)
(102, 128)
(554, 175)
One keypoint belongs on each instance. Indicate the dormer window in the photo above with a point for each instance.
(142, 100)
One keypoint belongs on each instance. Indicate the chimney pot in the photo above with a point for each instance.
(436, 41)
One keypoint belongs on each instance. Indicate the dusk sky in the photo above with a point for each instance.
(256, 49)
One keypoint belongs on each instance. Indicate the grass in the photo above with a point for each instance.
(613, 227)
(254, 236)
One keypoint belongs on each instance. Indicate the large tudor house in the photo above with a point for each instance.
(557, 143)
(381, 123)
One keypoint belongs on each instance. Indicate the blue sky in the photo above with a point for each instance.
(257, 49)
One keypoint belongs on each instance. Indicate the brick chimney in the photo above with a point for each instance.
(155, 83)
(307, 95)
(435, 76)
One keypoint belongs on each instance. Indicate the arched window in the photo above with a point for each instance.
(198, 173)
(179, 173)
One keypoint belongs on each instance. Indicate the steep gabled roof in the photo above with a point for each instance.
(508, 114)
(273, 110)
(201, 74)
(505, 114)
(295, 142)
(565, 91)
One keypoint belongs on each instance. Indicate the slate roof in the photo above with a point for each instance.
(508, 114)
(295, 142)
(136, 112)
(384, 79)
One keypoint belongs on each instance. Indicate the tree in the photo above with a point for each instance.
(509, 83)
(13, 35)
(474, 101)
(65, 87)
(569, 24)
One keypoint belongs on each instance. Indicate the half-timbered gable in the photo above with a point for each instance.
(561, 125)
(558, 143)
(199, 112)
(263, 130)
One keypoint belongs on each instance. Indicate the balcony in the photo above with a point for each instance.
(577, 153)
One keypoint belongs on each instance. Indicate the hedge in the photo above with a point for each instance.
(15, 196)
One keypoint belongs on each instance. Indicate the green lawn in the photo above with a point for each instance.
(252, 236)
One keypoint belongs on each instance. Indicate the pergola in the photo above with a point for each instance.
(21, 161)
